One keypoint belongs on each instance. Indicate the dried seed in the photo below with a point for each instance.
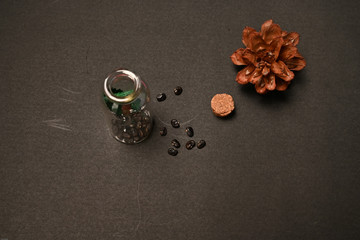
(201, 144)
(189, 131)
(126, 135)
(172, 151)
(146, 119)
(190, 144)
(178, 90)
(137, 118)
(175, 143)
(133, 132)
(161, 97)
(129, 140)
(163, 131)
(175, 123)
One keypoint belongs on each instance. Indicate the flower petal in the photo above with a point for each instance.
(270, 81)
(282, 71)
(265, 71)
(237, 58)
(288, 52)
(245, 35)
(265, 26)
(249, 56)
(255, 76)
(260, 86)
(255, 42)
(296, 63)
(243, 57)
(291, 39)
(275, 48)
(244, 75)
(281, 85)
(270, 31)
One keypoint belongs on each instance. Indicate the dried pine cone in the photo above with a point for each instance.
(270, 56)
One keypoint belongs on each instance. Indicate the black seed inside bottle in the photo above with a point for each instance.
(139, 126)
(163, 131)
(175, 143)
(175, 123)
(172, 151)
(201, 144)
(189, 131)
(161, 97)
(190, 144)
(178, 90)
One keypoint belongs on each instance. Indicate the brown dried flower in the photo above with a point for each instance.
(270, 57)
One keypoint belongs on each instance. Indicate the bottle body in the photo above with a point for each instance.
(125, 97)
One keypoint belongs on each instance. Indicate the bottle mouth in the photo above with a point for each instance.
(122, 86)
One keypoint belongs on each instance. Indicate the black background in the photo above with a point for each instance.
(284, 166)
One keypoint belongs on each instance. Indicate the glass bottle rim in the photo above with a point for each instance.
(126, 99)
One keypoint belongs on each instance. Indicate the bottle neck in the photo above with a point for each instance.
(122, 86)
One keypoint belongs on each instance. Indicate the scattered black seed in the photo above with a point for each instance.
(163, 131)
(189, 131)
(201, 144)
(190, 144)
(175, 143)
(172, 151)
(175, 123)
(161, 97)
(178, 90)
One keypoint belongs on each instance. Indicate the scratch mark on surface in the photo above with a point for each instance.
(191, 119)
(56, 123)
(70, 91)
(67, 100)
(176, 136)
(167, 124)
(162, 224)
(60, 126)
(138, 200)
(86, 60)
(53, 120)
(181, 123)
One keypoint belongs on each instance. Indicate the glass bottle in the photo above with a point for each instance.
(125, 96)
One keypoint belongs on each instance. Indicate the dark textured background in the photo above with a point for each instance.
(284, 166)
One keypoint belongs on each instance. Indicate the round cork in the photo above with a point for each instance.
(222, 104)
